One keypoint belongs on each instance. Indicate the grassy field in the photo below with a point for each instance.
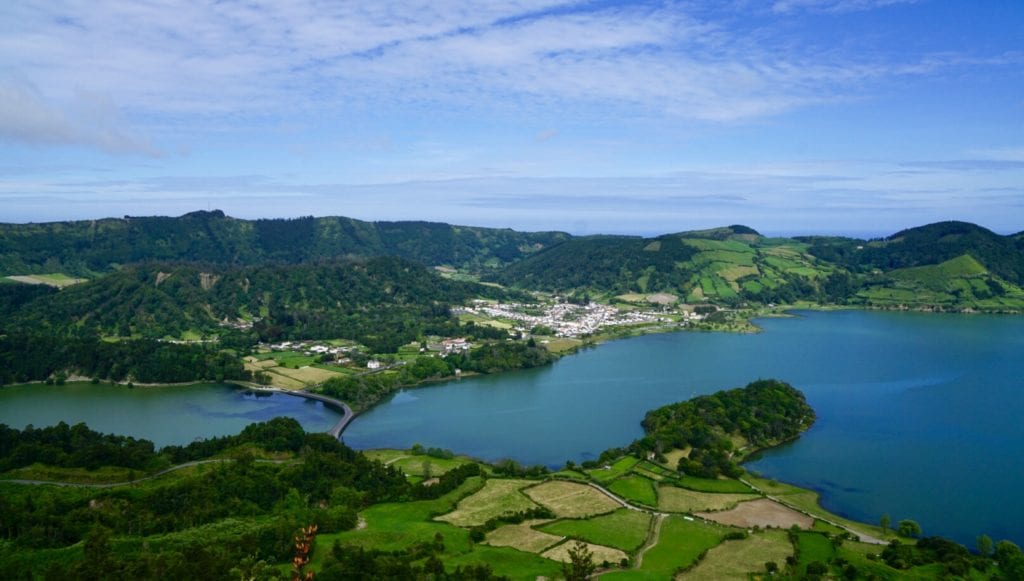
(619, 468)
(601, 553)
(498, 497)
(673, 499)
(57, 279)
(562, 344)
(572, 500)
(412, 465)
(507, 562)
(635, 488)
(680, 544)
(307, 375)
(735, 559)
(714, 485)
(672, 457)
(623, 529)
(813, 547)
(395, 526)
(523, 537)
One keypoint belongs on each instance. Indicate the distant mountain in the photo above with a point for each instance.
(727, 264)
(927, 245)
(90, 247)
(382, 302)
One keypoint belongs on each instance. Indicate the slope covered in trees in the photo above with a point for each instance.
(92, 247)
(380, 302)
(727, 265)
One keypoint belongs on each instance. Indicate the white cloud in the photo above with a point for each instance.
(192, 61)
(834, 5)
(90, 120)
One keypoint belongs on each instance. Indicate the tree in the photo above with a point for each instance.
(908, 528)
(884, 522)
(427, 470)
(985, 545)
(581, 563)
(772, 567)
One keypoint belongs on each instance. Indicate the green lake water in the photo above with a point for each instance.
(165, 415)
(919, 415)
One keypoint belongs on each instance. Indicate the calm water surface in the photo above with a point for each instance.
(165, 415)
(919, 415)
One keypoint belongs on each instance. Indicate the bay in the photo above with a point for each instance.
(919, 415)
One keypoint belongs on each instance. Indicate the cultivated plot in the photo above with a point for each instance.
(498, 497)
(762, 513)
(572, 500)
(673, 499)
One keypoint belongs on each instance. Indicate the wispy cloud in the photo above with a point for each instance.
(834, 5)
(196, 62)
(89, 119)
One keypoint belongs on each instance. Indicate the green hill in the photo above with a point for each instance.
(90, 247)
(958, 283)
(723, 264)
(381, 302)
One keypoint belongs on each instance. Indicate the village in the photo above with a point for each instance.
(566, 319)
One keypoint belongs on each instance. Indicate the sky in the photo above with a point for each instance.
(855, 117)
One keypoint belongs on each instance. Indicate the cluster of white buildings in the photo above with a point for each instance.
(308, 348)
(565, 319)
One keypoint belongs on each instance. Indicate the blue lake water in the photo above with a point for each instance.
(919, 415)
(164, 415)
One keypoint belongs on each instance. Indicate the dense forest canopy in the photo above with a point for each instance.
(92, 247)
(380, 302)
(764, 413)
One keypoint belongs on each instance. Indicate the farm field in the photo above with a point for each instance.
(813, 547)
(571, 500)
(680, 545)
(601, 554)
(736, 559)
(523, 537)
(413, 464)
(619, 468)
(763, 513)
(714, 485)
(497, 497)
(635, 488)
(623, 529)
(674, 499)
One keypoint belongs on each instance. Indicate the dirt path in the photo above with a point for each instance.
(652, 540)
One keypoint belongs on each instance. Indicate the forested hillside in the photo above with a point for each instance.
(379, 302)
(725, 265)
(91, 247)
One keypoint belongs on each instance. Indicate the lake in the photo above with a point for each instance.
(165, 415)
(919, 415)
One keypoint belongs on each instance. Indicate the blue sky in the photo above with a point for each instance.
(790, 116)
